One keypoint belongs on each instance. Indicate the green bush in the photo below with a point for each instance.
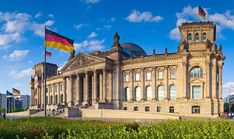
(53, 128)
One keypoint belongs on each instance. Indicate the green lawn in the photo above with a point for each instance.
(64, 128)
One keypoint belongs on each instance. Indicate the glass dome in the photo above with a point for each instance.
(133, 50)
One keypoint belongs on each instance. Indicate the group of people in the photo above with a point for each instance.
(227, 115)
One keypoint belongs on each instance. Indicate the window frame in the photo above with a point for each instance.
(137, 73)
(160, 77)
(196, 37)
(189, 37)
(171, 109)
(170, 73)
(162, 91)
(196, 109)
(196, 72)
(146, 76)
(170, 92)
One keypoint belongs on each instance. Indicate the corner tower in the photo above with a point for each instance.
(197, 36)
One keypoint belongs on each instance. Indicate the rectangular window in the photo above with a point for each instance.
(125, 108)
(172, 74)
(137, 76)
(158, 109)
(171, 109)
(160, 75)
(147, 109)
(148, 76)
(195, 109)
(126, 78)
(135, 108)
(60, 88)
(196, 92)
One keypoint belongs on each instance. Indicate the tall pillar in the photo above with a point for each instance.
(68, 91)
(104, 85)
(86, 87)
(100, 87)
(166, 93)
(94, 96)
(64, 91)
(131, 77)
(220, 81)
(142, 85)
(208, 81)
(53, 98)
(59, 93)
(185, 93)
(214, 78)
(78, 90)
(154, 83)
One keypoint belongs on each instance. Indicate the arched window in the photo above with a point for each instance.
(149, 93)
(196, 72)
(127, 94)
(196, 36)
(172, 91)
(204, 36)
(190, 37)
(138, 93)
(160, 92)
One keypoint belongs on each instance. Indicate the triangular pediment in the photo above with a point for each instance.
(82, 60)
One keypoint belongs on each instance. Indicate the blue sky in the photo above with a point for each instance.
(152, 24)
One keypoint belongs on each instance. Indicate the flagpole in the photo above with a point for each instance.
(45, 77)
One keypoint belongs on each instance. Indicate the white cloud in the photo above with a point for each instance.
(146, 16)
(92, 35)
(90, 45)
(7, 38)
(38, 15)
(113, 19)
(228, 88)
(90, 1)
(17, 55)
(79, 26)
(189, 14)
(15, 24)
(39, 29)
(21, 74)
(51, 15)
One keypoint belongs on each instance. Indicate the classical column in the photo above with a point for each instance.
(59, 92)
(154, 83)
(104, 84)
(78, 89)
(131, 77)
(94, 96)
(214, 78)
(100, 87)
(184, 76)
(68, 91)
(166, 93)
(64, 90)
(86, 86)
(220, 81)
(208, 81)
(142, 85)
(53, 98)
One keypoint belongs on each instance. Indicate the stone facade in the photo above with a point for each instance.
(125, 77)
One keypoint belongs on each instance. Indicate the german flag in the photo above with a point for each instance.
(201, 12)
(48, 54)
(55, 40)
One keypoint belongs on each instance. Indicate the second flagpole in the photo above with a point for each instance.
(45, 102)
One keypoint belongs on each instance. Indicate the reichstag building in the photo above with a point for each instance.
(187, 82)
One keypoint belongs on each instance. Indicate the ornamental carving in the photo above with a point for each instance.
(81, 61)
